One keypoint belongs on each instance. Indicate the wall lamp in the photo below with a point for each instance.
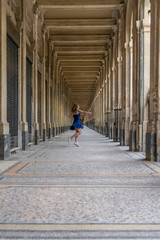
(149, 16)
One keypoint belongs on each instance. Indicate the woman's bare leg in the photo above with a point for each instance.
(78, 132)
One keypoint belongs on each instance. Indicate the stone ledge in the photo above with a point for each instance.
(16, 149)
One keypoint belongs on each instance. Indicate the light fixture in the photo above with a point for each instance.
(149, 16)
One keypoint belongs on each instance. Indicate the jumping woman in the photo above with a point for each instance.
(77, 126)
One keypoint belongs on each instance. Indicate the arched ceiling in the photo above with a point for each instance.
(80, 31)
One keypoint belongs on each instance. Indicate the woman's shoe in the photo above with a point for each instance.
(76, 144)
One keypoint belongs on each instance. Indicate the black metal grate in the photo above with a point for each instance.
(12, 90)
(29, 97)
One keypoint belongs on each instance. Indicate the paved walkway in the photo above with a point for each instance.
(97, 191)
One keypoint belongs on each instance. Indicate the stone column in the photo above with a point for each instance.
(109, 92)
(114, 86)
(4, 125)
(139, 53)
(53, 94)
(106, 95)
(35, 74)
(104, 98)
(43, 85)
(56, 99)
(158, 121)
(153, 126)
(49, 105)
(135, 89)
(125, 129)
(60, 100)
(101, 102)
(120, 70)
(146, 77)
(24, 123)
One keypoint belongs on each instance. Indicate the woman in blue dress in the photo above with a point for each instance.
(77, 126)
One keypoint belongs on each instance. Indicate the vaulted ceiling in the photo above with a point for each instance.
(80, 31)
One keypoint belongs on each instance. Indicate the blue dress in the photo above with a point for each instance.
(77, 122)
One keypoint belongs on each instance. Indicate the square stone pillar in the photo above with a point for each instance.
(43, 85)
(49, 108)
(153, 133)
(23, 36)
(127, 101)
(146, 76)
(35, 74)
(4, 125)
(53, 115)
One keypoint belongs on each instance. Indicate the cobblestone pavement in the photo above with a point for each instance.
(97, 191)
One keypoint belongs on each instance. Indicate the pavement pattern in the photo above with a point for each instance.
(99, 190)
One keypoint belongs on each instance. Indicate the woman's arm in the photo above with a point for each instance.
(84, 112)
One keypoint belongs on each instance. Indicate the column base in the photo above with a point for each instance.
(49, 133)
(36, 137)
(57, 131)
(151, 148)
(115, 134)
(110, 130)
(44, 135)
(4, 146)
(126, 137)
(104, 131)
(122, 133)
(132, 142)
(107, 130)
(24, 140)
(53, 131)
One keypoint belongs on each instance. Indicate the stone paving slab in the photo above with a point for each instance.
(97, 191)
(107, 180)
(80, 205)
(81, 168)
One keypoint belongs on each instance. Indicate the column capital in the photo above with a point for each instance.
(131, 45)
(115, 29)
(115, 14)
(36, 10)
(119, 60)
(121, 9)
(103, 63)
(44, 29)
(113, 69)
(126, 46)
(106, 54)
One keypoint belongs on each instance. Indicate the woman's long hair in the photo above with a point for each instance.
(75, 107)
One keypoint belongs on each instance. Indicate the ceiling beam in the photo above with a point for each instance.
(81, 28)
(81, 58)
(79, 2)
(79, 43)
(80, 53)
(81, 48)
(79, 22)
(75, 37)
(78, 68)
(80, 63)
